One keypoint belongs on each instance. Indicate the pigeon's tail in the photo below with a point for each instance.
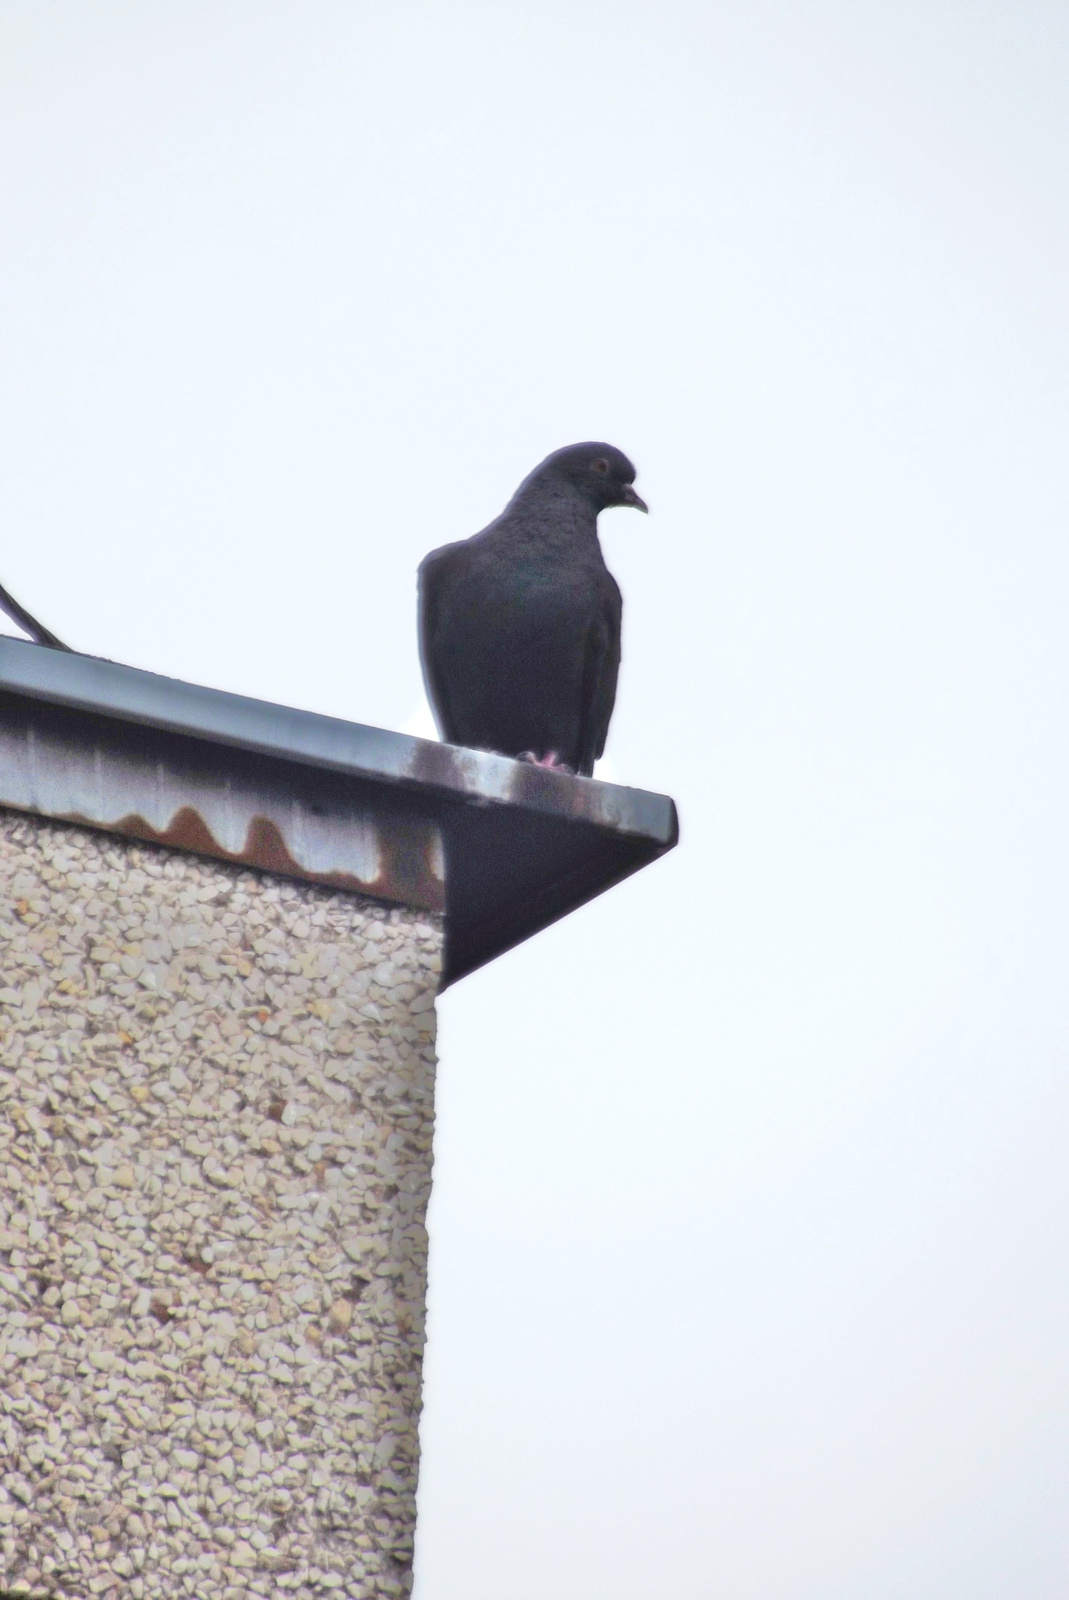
(36, 630)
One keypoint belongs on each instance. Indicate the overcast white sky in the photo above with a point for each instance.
(749, 1256)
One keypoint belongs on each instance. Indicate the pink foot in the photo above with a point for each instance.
(552, 762)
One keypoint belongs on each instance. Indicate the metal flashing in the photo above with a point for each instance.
(502, 847)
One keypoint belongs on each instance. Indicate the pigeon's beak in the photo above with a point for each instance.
(631, 498)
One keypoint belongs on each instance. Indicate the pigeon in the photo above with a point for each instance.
(519, 626)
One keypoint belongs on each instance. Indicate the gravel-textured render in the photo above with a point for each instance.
(216, 1109)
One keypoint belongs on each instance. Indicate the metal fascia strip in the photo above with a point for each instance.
(109, 689)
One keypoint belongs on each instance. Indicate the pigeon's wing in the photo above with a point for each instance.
(601, 666)
(434, 574)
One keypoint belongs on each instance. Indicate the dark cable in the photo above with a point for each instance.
(38, 633)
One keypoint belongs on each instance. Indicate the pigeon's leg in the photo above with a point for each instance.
(551, 761)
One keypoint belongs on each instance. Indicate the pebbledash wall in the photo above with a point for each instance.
(218, 1099)
(216, 1114)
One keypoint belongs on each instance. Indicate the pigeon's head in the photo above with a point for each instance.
(602, 474)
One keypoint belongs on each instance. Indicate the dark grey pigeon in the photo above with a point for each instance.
(519, 626)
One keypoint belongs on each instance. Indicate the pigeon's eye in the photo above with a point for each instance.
(601, 465)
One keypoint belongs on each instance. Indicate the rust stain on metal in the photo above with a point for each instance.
(407, 874)
(484, 778)
(325, 828)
